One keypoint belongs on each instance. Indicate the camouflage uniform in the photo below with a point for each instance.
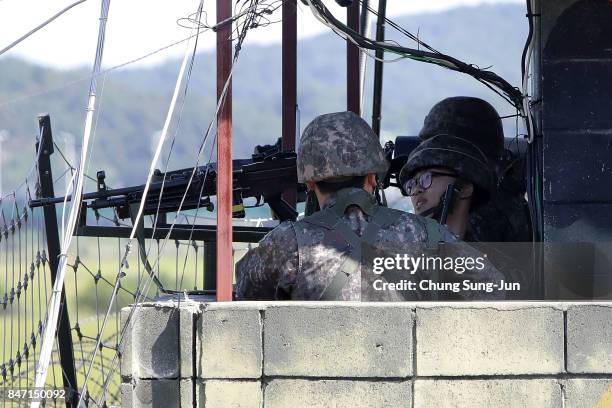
(505, 217)
(324, 256)
(485, 219)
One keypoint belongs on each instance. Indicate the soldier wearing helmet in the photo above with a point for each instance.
(504, 217)
(325, 255)
(446, 177)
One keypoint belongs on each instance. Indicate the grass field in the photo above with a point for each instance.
(93, 265)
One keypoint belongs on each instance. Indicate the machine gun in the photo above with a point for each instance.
(264, 177)
(397, 154)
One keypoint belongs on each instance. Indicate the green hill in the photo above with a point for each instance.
(134, 101)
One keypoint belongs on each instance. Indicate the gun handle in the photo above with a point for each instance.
(281, 208)
(312, 203)
(447, 203)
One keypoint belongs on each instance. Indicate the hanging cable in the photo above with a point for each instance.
(202, 28)
(138, 217)
(488, 78)
(49, 20)
(525, 70)
(147, 281)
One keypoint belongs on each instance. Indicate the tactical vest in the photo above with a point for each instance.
(330, 219)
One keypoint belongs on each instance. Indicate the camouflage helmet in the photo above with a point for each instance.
(337, 146)
(469, 118)
(460, 156)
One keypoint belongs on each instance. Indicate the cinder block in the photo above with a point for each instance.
(589, 339)
(540, 393)
(229, 343)
(187, 316)
(496, 340)
(151, 394)
(588, 393)
(187, 393)
(126, 395)
(152, 344)
(231, 394)
(338, 341)
(125, 348)
(337, 393)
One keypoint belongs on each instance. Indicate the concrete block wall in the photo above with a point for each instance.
(342, 354)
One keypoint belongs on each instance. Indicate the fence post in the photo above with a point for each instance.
(64, 337)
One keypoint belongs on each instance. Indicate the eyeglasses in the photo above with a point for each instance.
(423, 181)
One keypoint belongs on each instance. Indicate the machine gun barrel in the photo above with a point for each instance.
(41, 202)
(261, 177)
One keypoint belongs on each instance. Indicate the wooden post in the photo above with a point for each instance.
(224, 156)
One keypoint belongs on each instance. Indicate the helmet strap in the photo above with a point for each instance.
(433, 211)
(447, 202)
(445, 207)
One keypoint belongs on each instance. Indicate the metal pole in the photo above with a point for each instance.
(64, 337)
(289, 84)
(224, 156)
(535, 153)
(352, 62)
(2, 139)
(210, 265)
(378, 68)
(363, 17)
(364, 26)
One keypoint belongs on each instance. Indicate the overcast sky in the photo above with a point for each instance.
(136, 27)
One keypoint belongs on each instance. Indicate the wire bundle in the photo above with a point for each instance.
(490, 79)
